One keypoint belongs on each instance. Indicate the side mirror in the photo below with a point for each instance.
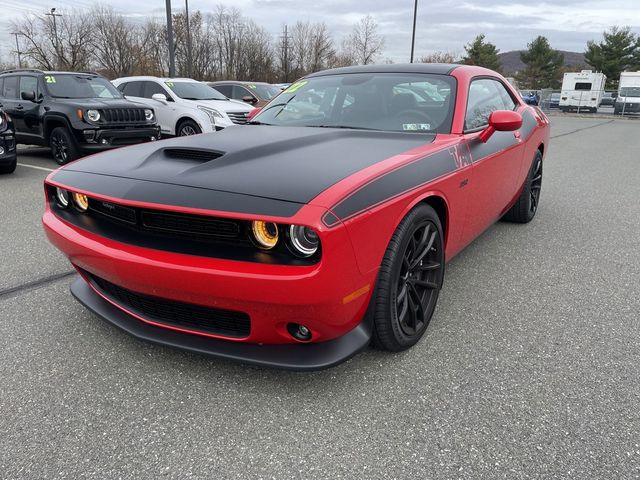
(250, 99)
(159, 97)
(28, 96)
(501, 121)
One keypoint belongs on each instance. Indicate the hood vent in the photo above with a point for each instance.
(192, 154)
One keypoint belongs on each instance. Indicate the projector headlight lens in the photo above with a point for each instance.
(265, 234)
(81, 202)
(93, 115)
(148, 114)
(304, 240)
(62, 197)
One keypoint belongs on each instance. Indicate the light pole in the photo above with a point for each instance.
(53, 14)
(172, 63)
(18, 48)
(189, 59)
(413, 35)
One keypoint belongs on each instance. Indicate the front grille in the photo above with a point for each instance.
(191, 154)
(188, 316)
(239, 118)
(191, 224)
(123, 115)
(115, 211)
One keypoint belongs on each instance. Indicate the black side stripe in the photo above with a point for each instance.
(423, 171)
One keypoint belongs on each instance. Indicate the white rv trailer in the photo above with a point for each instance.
(582, 91)
(628, 100)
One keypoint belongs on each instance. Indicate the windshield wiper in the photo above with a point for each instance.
(256, 122)
(342, 126)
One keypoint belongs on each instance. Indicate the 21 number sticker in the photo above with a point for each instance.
(50, 79)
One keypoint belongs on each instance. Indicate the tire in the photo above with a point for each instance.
(405, 297)
(526, 206)
(187, 128)
(63, 146)
(9, 168)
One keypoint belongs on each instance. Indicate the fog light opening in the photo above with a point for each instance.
(299, 332)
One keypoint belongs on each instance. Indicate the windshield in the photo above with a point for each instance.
(398, 102)
(194, 91)
(266, 92)
(630, 92)
(80, 86)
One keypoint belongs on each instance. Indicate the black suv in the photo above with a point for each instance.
(7, 144)
(73, 113)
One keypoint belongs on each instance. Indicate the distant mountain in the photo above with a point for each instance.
(511, 62)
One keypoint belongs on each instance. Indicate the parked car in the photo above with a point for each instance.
(184, 106)
(8, 160)
(297, 240)
(608, 99)
(257, 94)
(73, 113)
(530, 97)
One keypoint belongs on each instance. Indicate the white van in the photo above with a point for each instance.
(184, 106)
(582, 91)
(628, 100)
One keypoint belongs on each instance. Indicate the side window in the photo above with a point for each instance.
(224, 89)
(151, 88)
(28, 84)
(240, 92)
(10, 89)
(1, 86)
(485, 96)
(132, 89)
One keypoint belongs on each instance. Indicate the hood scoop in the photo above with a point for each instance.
(192, 154)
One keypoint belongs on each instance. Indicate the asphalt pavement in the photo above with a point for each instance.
(530, 368)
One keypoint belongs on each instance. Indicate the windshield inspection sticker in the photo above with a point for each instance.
(296, 86)
(414, 127)
(169, 84)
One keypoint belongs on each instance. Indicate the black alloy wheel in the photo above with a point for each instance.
(409, 281)
(527, 203)
(535, 185)
(63, 147)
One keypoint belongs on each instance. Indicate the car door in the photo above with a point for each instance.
(9, 101)
(30, 122)
(166, 114)
(496, 163)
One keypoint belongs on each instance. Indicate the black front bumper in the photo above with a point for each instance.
(108, 138)
(303, 357)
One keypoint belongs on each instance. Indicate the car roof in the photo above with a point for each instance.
(434, 68)
(239, 82)
(152, 78)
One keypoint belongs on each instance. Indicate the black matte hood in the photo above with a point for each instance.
(293, 164)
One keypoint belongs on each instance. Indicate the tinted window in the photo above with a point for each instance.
(240, 92)
(131, 89)
(10, 89)
(583, 86)
(194, 91)
(80, 86)
(28, 84)
(400, 102)
(151, 88)
(485, 96)
(266, 92)
(224, 89)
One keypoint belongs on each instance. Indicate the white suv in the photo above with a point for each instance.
(184, 106)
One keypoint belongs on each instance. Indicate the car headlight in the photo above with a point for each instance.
(93, 115)
(212, 113)
(1, 120)
(304, 240)
(62, 197)
(265, 234)
(148, 114)
(81, 201)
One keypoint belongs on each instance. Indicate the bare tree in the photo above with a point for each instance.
(116, 42)
(439, 57)
(364, 43)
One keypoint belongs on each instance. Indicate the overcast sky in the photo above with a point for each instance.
(442, 25)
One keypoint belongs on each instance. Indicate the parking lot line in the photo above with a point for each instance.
(36, 167)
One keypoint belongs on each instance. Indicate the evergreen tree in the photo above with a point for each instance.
(483, 54)
(543, 65)
(618, 51)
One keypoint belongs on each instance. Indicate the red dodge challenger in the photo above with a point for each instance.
(322, 226)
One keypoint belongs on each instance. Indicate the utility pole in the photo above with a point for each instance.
(53, 14)
(172, 62)
(189, 58)
(285, 53)
(18, 48)
(413, 35)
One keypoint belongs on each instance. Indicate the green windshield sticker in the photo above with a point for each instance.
(169, 84)
(252, 87)
(296, 86)
(50, 79)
